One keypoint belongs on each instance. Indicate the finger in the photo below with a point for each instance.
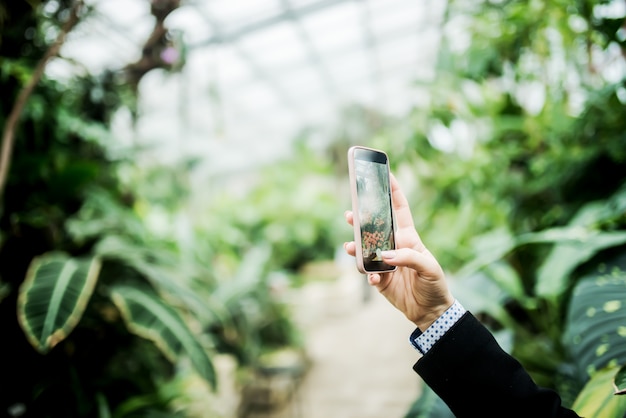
(407, 235)
(400, 205)
(422, 262)
(373, 279)
(349, 217)
(350, 248)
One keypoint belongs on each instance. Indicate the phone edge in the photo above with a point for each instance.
(355, 213)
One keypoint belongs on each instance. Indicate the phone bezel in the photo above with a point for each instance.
(377, 156)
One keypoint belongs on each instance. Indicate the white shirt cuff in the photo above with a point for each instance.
(423, 341)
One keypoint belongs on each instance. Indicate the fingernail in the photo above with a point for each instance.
(388, 254)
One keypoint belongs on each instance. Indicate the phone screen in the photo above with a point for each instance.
(374, 206)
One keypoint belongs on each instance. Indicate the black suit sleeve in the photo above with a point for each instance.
(476, 378)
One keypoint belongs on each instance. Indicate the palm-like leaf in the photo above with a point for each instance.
(596, 330)
(620, 381)
(162, 276)
(577, 243)
(54, 296)
(149, 317)
(597, 398)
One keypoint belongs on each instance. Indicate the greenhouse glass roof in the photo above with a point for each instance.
(259, 72)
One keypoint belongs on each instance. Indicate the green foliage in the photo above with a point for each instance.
(597, 399)
(89, 276)
(255, 324)
(514, 164)
(161, 275)
(429, 405)
(149, 317)
(596, 330)
(520, 166)
(293, 208)
(620, 381)
(54, 296)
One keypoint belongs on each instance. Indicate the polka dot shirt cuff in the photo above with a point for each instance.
(423, 341)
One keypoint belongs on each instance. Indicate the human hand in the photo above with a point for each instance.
(418, 286)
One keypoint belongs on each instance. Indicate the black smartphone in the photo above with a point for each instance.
(374, 229)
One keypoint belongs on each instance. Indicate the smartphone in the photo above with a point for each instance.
(374, 229)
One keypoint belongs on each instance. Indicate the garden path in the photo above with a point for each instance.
(358, 345)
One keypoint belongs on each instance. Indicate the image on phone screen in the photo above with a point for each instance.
(374, 205)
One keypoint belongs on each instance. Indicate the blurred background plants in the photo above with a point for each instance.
(530, 107)
(514, 162)
(120, 311)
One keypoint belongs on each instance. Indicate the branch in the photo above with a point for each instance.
(8, 133)
(155, 44)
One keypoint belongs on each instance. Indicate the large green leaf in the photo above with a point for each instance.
(596, 322)
(507, 279)
(162, 276)
(53, 297)
(597, 399)
(150, 317)
(480, 293)
(620, 381)
(103, 407)
(555, 273)
(576, 244)
(489, 247)
(253, 269)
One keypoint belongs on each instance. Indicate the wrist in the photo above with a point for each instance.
(434, 313)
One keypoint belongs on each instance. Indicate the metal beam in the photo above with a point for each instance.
(262, 24)
(371, 46)
(314, 56)
(390, 36)
(256, 69)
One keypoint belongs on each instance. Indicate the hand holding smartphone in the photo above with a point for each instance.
(374, 229)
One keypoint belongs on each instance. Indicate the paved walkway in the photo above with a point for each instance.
(360, 352)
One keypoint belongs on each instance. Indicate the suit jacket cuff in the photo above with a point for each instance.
(475, 377)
